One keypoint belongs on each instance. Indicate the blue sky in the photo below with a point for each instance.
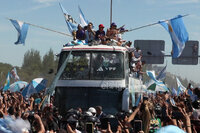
(132, 13)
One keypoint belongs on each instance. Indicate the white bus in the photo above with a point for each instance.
(94, 75)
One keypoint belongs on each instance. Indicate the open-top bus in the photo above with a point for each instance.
(94, 75)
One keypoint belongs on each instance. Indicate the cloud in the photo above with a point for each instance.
(43, 3)
(184, 1)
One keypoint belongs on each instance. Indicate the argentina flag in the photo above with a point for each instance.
(7, 84)
(22, 29)
(178, 34)
(181, 88)
(71, 23)
(83, 20)
(152, 76)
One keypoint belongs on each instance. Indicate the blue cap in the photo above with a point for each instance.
(113, 24)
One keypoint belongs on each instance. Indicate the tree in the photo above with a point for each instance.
(48, 61)
(31, 65)
(49, 66)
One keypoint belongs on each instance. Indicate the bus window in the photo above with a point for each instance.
(87, 65)
(78, 66)
(107, 65)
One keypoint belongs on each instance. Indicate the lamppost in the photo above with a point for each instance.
(110, 12)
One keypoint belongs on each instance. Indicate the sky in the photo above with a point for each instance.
(132, 13)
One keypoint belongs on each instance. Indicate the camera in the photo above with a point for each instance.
(112, 120)
(121, 116)
(69, 120)
(31, 116)
(158, 110)
(89, 127)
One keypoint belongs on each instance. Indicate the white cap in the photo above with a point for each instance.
(88, 113)
(92, 110)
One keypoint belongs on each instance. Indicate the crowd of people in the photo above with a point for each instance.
(88, 35)
(153, 112)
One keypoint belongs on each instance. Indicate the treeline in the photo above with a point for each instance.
(33, 66)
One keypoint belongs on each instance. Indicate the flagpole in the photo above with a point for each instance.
(110, 12)
(49, 29)
(153, 24)
(56, 78)
(46, 28)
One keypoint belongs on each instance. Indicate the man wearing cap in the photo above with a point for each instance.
(100, 34)
(112, 31)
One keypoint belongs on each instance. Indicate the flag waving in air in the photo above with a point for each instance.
(178, 34)
(7, 84)
(83, 20)
(22, 29)
(181, 88)
(151, 75)
(71, 23)
(14, 75)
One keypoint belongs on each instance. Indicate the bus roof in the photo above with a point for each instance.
(94, 48)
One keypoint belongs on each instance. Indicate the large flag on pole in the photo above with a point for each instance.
(22, 29)
(7, 84)
(71, 23)
(51, 89)
(178, 33)
(83, 20)
(162, 74)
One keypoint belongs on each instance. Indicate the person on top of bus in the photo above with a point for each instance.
(80, 33)
(112, 31)
(90, 33)
(100, 34)
(119, 36)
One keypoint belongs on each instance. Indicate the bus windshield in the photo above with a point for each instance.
(87, 65)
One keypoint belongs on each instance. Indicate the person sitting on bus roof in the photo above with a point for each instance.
(74, 35)
(80, 33)
(119, 36)
(112, 31)
(100, 34)
(90, 33)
